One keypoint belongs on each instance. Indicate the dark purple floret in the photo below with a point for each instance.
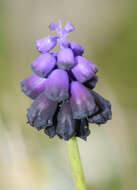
(33, 86)
(104, 112)
(43, 64)
(57, 85)
(50, 131)
(66, 125)
(92, 82)
(41, 112)
(82, 101)
(83, 129)
(64, 102)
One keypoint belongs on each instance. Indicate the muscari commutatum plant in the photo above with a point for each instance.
(64, 102)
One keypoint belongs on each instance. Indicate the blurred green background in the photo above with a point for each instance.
(108, 31)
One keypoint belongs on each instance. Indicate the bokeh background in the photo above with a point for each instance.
(108, 31)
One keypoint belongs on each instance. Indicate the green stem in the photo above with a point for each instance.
(76, 165)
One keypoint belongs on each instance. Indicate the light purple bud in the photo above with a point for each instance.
(41, 112)
(69, 27)
(76, 48)
(57, 85)
(65, 59)
(82, 102)
(46, 44)
(84, 69)
(33, 86)
(43, 64)
(52, 26)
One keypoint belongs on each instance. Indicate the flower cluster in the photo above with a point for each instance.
(62, 88)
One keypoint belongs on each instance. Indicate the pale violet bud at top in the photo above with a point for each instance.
(52, 26)
(84, 69)
(65, 59)
(69, 27)
(43, 64)
(76, 48)
(46, 44)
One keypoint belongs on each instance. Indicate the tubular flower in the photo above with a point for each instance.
(61, 87)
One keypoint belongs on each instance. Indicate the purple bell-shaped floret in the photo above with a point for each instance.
(33, 86)
(43, 64)
(66, 125)
(82, 101)
(57, 85)
(104, 110)
(84, 69)
(46, 44)
(41, 112)
(83, 129)
(65, 59)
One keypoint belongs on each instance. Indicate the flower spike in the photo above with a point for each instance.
(64, 102)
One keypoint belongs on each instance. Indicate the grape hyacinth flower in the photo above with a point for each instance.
(64, 102)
